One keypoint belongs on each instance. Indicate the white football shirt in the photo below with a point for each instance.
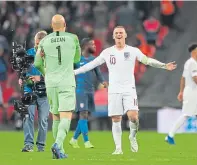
(190, 70)
(121, 64)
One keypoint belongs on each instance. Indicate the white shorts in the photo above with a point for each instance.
(120, 103)
(189, 102)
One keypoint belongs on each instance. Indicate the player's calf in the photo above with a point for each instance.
(134, 144)
(133, 124)
(117, 132)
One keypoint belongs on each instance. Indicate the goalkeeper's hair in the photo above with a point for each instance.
(40, 35)
(192, 47)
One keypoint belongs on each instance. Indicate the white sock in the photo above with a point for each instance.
(133, 128)
(179, 122)
(117, 134)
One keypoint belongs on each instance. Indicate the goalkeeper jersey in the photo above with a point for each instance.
(61, 50)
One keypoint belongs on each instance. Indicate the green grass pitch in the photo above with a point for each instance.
(152, 150)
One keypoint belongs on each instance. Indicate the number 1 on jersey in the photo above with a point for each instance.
(59, 55)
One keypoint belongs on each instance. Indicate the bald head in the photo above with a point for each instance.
(58, 23)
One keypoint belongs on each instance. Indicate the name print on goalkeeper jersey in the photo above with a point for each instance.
(61, 50)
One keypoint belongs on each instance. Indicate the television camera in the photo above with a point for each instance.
(21, 63)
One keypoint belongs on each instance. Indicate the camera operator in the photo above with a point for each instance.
(41, 102)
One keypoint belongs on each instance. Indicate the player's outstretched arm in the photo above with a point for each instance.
(39, 62)
(153, 62)
(157, 64)
(91, 65)
(100, 77)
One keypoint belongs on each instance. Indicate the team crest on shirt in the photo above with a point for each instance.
(81, 105)
(126, 55)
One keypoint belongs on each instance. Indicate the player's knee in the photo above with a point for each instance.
(66, 114)
(83, 114)
(56, 116)
(116, 118)
(133, 119)
(133, 116)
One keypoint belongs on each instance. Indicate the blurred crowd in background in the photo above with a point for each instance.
(147, 24)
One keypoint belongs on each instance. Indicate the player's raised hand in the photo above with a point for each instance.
(171, 66)
(180, 96)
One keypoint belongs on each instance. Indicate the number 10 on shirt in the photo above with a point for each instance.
(112, 60)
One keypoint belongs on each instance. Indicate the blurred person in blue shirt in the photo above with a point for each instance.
(85, 92)
(41, 103)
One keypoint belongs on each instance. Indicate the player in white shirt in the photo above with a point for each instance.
(122, 97)
(187, 94)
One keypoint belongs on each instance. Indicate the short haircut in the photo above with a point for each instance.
(40, 35)
(192, 47)
(120, 27)
(85, 41)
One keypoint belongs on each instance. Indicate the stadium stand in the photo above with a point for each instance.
(159, 87)
(21, 20)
